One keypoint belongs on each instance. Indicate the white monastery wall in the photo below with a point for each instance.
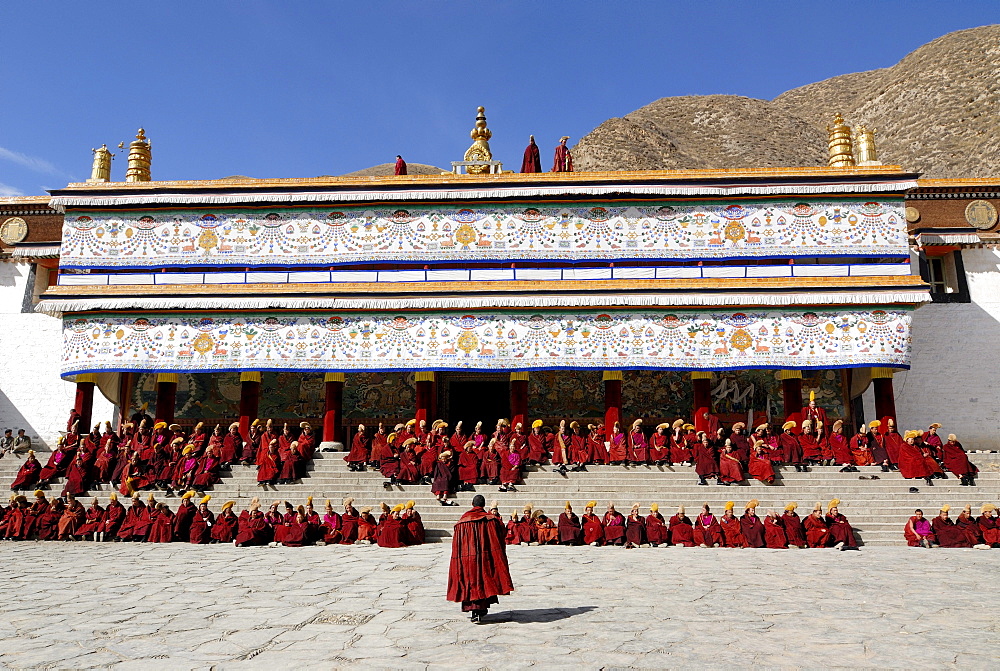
(955, 373)
(32, 395)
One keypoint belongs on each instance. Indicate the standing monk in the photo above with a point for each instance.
(563, 159)
(400, 167)
(532, 161)
(479, 571)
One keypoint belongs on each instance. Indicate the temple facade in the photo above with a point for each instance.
(655, 294)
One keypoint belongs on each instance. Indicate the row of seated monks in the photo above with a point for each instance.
(817, 530)
(148, 455)
(149, 521)
(456, 461)
(967, 531)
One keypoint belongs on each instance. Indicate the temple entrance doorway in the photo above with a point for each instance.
(473, 401)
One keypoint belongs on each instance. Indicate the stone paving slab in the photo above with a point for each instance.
(123, 606)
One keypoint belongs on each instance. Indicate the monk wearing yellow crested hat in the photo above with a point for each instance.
(539, 444)
(570, 531)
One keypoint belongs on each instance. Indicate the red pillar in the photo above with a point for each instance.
(124, 404)
(612, 400)
(701, 384)
(166, 397)
(333, 412)
(425, 396)
(791, 396)
(519, 399)
(249, 400)
(84, 403)
(885, 401)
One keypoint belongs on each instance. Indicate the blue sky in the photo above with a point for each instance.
(299, 89)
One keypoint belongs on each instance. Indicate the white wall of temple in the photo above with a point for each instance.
(32, 395)
(955, 374)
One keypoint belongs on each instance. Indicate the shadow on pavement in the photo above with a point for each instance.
(540, 614)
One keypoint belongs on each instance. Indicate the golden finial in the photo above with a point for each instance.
(841, 151)
(101, 171)
(139, 158)
(865, 142)
(480, 149)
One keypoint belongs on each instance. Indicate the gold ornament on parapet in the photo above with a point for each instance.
(840, 144)
(981, 214)
(480, 149)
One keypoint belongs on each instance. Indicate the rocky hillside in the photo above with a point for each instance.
(937, 111)
(385, 169)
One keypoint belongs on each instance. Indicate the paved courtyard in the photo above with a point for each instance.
(78, 605)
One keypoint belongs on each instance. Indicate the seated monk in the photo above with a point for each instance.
(330, 524)
(95, 513)
(730, 468)
(114, 517)
(73, 517)
(527, 532)
(570, 532)
(948, 535)
(614, 526)
(911, 459)
(136, 525)
(751, 526)
(513, 536)
(297, 531)
(761, 466)
(593, 527)
(201, 523)
(657, 532)
(48, 522)
(841, 532)
(14, 520)
(957, 461)
(253, 527)
(468, 467)
(988, 525)
(392, 531)
(226, 524)
(861, 451)
(635, 528)
(774, 532)
(545, 529)
(732, 531)
(680, 531)
(59, 461)
(817, 533)
(367, 527)
(967, 523)
(27, 475)
(349, 523)
(707, 530)
(161, 528)
(795, 533)
(918, 531)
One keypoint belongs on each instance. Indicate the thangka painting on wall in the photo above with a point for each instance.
(495, 231)
(655, 339)
(380, 395)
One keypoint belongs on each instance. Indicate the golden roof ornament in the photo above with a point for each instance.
(480, 149)
(864, 140)
(841, 149)
(139, 158)
(101, 170)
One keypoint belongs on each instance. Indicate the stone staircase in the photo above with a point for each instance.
(877, 509)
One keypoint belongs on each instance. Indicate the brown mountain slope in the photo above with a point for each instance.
(936, 111)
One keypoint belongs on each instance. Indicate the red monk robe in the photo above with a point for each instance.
(988, 527)
(161, 528)
(911, 461)
(795, 533)
(226, 525)
(570, 532)
(95, 513)
(732, 531)
(479, 572)
(817, 533)
(707, 530)
(593, 528)
(774, 532)
(532, 161)
(27, 475)
(681, 530)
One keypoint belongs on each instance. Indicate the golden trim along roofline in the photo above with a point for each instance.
(894, 171)
(25, 200)
(450, 288)
(953, 182)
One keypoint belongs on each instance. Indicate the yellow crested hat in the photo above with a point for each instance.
(205, 499)
(791, 506)
(790, 424)
(398, 507)
(834, 503)
(945, 508)
(730, 505)
(228, 504)
(655, 507)
(591, 504)
(752, 503)
(409, 505)
(537, 424)
(187, 495)
(678, 423)
(874, 424)
(160, 425)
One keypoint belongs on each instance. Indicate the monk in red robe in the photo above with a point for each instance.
(570, 532)
(226, 524)
(545, 529)
(537, 452)
(593, 527)
(269, 466)
(414, 523)
(635, 529)
(911, 459)
(948, 535)
(761, 466)
(774, 532)
(732, 531)
(468, 467)
(705, 464)
(751, 526)
(680, 449)
(27, 474)
(956, 460)
(841, 448)
(73, 517)
(817, 532)
(232, 444)
(91, 525)
(400, 167)
(201, 523)
(114, 517)
(967, 523)
(392, 532)
(614, 526)
(597, 443)
(136, 525)
(358, 455)
(795, 533)
(861, 451)
(617, 448)
(479, 572)
(988, 527)
(892, 440)
(841, 532)
(730, 468)
(918, 531)
(680, 531)
(531, 162)
(791, 449)
(707, 530)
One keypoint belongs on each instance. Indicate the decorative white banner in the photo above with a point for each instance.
(505, 340)
(484, 232)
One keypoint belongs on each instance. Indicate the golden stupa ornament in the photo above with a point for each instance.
(101, 170)
(480, 149)
(841, 148)
(864, 141)
(139, 158)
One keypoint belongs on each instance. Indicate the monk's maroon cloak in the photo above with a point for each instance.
(479, 570)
